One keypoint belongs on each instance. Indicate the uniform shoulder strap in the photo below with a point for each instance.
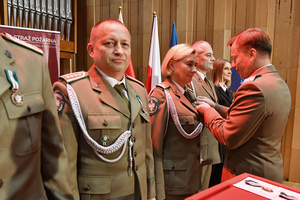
(135, 80)
(22, 43)
(71, 77)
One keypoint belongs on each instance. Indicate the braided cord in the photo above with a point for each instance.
(175, 118)
(121, 140)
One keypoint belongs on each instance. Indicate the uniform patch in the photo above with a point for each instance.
(153, 104)
(60, 101)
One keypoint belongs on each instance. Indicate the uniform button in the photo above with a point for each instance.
(87, 188)
(135, 154)
(198, 145)
(133, 139)
(136, 168)
(173, 166)
(1, 183)
(105, 123)
(132, 125)
(28, 108)
(186, 121)
(8, 54)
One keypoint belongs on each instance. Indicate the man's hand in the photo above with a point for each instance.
(152, 198)
(202, 106)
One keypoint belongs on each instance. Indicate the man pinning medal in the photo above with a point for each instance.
(105, 121)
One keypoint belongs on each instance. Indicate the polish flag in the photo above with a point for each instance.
(154, 65)
(129, 71)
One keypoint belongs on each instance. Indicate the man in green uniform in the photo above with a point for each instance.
(105, 121)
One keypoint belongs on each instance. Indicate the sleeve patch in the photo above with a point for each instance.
(60, 102)
(153, 105)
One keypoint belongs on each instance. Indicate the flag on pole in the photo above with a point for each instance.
(154, 71)
(236, 80)
(174, 39)
(129, 71)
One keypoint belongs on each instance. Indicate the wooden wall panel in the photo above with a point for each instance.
(215, 21)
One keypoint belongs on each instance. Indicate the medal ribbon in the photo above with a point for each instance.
(13, 79)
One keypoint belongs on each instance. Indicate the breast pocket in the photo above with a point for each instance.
(25, 122)
(104, 127)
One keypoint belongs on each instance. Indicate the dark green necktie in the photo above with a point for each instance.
(190, 96)
(119, 89)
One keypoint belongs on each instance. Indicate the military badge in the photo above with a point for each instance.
(60, 101)
(153, 104)
(17, 98)
(105, 140)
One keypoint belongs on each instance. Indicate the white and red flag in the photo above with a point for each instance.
(154, 65)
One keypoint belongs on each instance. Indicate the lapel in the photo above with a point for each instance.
(205, 87)
(224, 94)
(107, 93)
(177, 95)
(5, 64)
(135, 100)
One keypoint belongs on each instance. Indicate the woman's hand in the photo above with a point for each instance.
(202, 99)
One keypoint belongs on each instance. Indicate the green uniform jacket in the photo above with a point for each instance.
(177, 159)
(209, 146)
(33, 159)
(106, 114)
(253, 129)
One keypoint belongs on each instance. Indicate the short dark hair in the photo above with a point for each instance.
(252, 38)
(110, 20)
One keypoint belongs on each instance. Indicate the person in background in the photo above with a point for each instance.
(252, 128)
(33, 160)
(176, 127)
(221, 77)
(105, 121)
(203, 86)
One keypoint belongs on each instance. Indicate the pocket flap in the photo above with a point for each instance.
(94, 184)
(186, 119)
(101, 121)
(33, 103)
(175, 164)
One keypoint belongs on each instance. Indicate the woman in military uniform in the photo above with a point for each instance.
(176, 127)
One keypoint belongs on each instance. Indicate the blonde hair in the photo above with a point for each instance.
(176, 53)
(217, 72)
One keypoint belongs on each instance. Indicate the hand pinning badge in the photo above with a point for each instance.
(16, 97)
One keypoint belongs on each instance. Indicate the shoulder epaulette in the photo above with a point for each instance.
(135, 80)
(74, 76)
(20, 42)
(162, 85)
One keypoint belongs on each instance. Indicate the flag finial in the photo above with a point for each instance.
(154, 13)
(120, 8)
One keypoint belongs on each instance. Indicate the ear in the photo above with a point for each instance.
(252, 53)
(171, 65)
(90, 49)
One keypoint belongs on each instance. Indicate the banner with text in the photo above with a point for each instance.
(48, 41)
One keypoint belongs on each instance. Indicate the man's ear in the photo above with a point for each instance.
(90, 49)
(252, 53)
(171, 65)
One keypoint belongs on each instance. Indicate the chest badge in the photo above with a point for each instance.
(105, 140)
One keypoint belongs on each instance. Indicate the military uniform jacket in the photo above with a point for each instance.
(209, 145)
(33, 159)
(106, 115)
(177, 159)
(254, 126)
